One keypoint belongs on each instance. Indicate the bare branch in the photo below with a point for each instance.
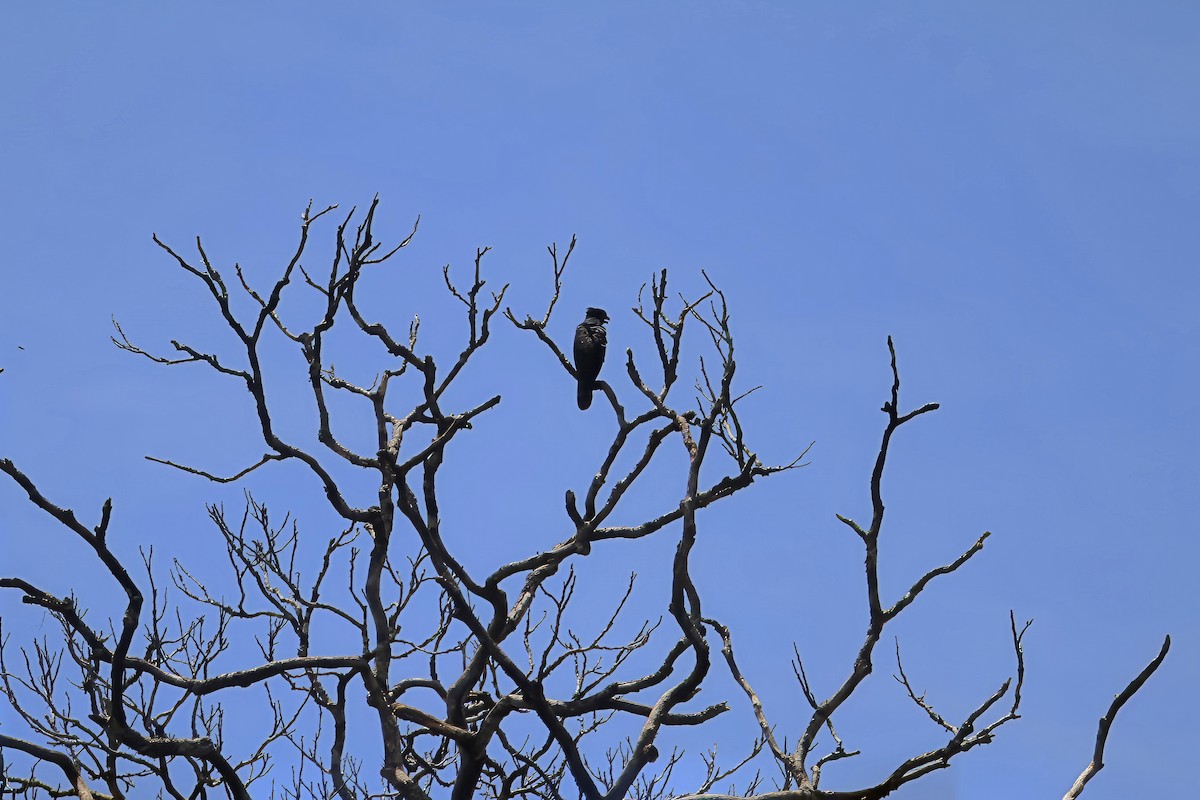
(502, 687)
(902, 679)
(1106, 721)
(216, 478)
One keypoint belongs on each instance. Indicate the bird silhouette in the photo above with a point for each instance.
(590, 343)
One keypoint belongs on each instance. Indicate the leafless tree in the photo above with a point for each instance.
(473, 685)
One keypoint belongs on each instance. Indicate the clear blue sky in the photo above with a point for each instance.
(1012, 192)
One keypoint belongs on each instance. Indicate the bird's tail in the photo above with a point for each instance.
(584, 395)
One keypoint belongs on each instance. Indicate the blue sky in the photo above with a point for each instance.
(1009, 191)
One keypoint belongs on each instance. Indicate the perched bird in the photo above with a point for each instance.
(590, 342)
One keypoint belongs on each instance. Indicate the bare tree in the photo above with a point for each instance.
(475, 685)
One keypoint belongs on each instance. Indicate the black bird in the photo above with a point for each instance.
(590, 342)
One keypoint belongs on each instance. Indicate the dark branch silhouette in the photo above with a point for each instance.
(477, 682)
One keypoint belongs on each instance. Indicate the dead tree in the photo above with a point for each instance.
(475, 685)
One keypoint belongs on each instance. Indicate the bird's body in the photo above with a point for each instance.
(590, 343)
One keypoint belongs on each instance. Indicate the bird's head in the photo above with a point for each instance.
(597, 314)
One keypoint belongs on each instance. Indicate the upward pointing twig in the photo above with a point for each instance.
(1107, 720)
